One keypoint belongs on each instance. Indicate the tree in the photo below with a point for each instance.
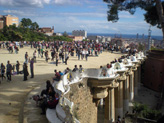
(153, 16)
(65, 34)
(34, 26)
(26, 22)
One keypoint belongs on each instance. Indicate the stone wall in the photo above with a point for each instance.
(84, 108)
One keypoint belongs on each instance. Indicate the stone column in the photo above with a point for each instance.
(139, 76)
(119, 100)
(109, 107)
(136, 82)
(131, 85)
(126, 94)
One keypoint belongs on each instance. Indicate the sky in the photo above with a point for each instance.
(69, 15)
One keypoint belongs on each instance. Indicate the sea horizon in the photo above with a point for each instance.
(128, 36)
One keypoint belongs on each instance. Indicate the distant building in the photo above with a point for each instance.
(76, 38)
(79, 33)
(99, 38)
(58, 34)
(7, 20)
(1, 23)
(118, 42)
(47, 30)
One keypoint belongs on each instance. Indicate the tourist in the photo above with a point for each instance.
(8, 70)
(45, 91)
(86, 54)
(66, 58)
(52, 55)
(34, 56)
(32, 67)
(2, 71)
(62, 56)
(25, 71)
(26, 58)
(57, 58)
(38, 52)
(16, 49)
(46, 56)
(42, 51)
(75, 69)
(17, 67)
(50, 102)
(61, 74)
(57, 76)
(80, 68)
(66, 70)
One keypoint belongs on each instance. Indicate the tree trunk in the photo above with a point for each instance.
(159, 8)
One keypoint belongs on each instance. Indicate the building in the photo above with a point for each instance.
(1, 23)
(47, 30)
(7, 20)
(58, 34)
(76, 38)
(80, 33)
(118, 42)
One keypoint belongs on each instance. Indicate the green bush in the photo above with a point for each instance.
(142, 110)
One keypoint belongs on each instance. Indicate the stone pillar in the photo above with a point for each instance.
(109, 107)
(136, 83)
(101, 102)
(131, 86)
(139, 76)
(119, 100)
(126, 94)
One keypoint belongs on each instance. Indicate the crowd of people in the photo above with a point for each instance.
(48, 98)
(59, 50)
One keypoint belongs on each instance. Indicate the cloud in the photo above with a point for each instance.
(66, 2)
(24, 3)
(20, 13)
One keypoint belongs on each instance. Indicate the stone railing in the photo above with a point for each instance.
(108, 83)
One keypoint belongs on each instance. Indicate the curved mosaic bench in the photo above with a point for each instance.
(63, 111)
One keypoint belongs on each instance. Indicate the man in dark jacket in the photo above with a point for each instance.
(8, 70)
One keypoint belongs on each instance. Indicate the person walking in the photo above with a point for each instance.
(8, 70)
(2, 71)
(57, 59)
(26, 57)
(66, 58)
(17, 67)
(25, 71)
(32, 67)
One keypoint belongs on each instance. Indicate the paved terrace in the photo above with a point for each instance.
(15, 96)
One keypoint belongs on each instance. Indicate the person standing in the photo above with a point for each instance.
(34, 56)
(66, 58)
(8, 70)
(2, 71)
(57, 59)
(25, 71)
(17, 67)
(32, 67)
(38, 51)
(26, 57)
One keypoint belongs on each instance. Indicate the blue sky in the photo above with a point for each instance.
(68, 15)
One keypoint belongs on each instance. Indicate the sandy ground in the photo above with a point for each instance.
(16, 104)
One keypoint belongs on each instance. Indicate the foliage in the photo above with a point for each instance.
(65, 34)
(85, 39)
(157, 49)
(61, 38)
(151, 16)
(26, 31)
(145, 112)
(26, 23)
